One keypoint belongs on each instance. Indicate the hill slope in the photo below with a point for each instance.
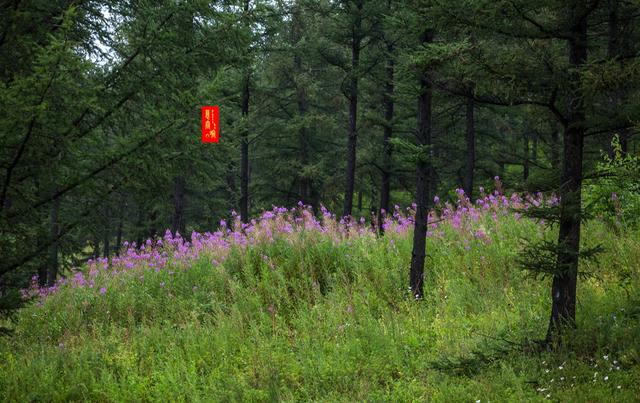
(294, 308)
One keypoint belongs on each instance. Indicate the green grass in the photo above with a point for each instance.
(321, 320)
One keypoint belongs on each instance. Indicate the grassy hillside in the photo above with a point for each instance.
(294, 308)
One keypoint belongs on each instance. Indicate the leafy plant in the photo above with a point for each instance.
(614, 192)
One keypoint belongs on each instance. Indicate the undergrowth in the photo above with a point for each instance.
(324, 314)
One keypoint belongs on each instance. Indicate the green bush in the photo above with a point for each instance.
(614, 192)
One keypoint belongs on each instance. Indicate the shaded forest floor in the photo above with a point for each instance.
(295, 308)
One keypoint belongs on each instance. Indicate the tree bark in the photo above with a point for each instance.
(52, 267)
(525, 161)
(41, 240)
(178, 223)
(153, 216)
(423, 173)
(42, 273)
(563, 289)
(555, 147)
(231, 175)
(95, 247)
(389, 105)
(244, 138)
(616, 49)
(106, 234)
(352, 139)
(470, 140)
(119, 233)
(305, 183)
(244, 154)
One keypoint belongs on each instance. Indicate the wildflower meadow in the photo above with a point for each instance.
(299, 306)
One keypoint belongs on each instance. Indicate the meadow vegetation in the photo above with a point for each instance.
(294, 307)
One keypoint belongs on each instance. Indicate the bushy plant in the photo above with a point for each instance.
(613, 193)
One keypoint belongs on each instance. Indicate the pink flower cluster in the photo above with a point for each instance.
(173, 252)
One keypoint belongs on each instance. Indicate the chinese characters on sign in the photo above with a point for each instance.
(210, 124)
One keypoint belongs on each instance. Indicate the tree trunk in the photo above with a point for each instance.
(231, 176)
(106, 233)
(244, 154)
(563, 289)
(612, 52)
(616, 49)
(304, 181)
(416, 275)
(303, 142)
(178, 223)
(42, 274)
(470, 139)
(352, 140)
(95, 246)
(139, 226)
(152, 224)
(385, 191)
(525, 161)
(555, 147)
(119, 234)
(244, 139)
(52, 267)
(41, 240)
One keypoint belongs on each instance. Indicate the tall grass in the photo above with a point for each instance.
(291, 307)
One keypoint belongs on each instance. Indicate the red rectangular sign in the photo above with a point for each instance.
(210, 124)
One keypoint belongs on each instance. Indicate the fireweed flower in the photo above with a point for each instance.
(154, 255)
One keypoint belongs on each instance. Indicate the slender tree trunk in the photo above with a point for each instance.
(389, 105)
(624, 141)
(244, 139)
(416, 275)
(372, 199)
(244, 154)
(470, 139)
(95, 246)
(119, 233)
(352, 140)
(555, 147)
(139, 226)
(152, 224)
(42, 274)
(617, 48)
(304, 181)
(525, 162)
(303, 142)
(107, 233)
(231, 185)
(178, 223)
(563, 289)
(41, 240)
(52, 267)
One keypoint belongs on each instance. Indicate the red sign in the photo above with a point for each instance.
(210, 124)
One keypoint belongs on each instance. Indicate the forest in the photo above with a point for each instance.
(407, 200)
